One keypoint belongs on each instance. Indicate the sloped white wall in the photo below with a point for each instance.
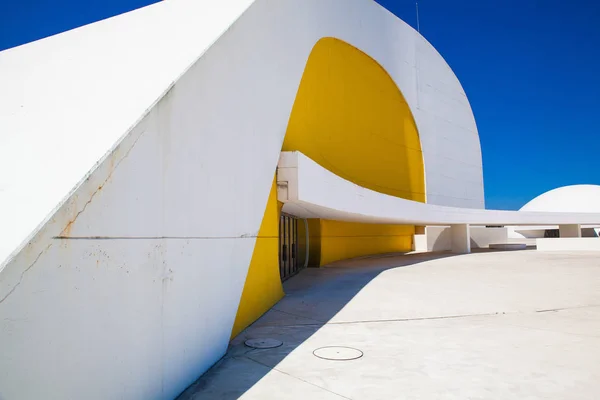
(67, 99)
(131, 300)
(129, 289)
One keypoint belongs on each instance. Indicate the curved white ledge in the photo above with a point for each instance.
(311, 191)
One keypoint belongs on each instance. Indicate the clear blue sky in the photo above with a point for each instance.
(531, 70)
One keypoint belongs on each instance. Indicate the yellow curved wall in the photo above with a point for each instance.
(350, 117)
(344, 240)
(263, 286)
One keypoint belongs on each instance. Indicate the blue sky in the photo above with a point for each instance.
(531, 70)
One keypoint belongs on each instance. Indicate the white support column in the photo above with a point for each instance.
(572, 230)
(460, 238)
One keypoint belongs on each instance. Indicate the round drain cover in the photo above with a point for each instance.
(339, 353)
(263, 343)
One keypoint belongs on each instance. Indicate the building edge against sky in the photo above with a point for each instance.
(140, 186)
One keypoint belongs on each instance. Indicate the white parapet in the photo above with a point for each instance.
(568, 244)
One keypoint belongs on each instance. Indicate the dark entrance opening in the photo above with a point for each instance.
(292, 246)
(551, 233)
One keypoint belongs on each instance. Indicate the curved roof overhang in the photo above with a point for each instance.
(311, 191)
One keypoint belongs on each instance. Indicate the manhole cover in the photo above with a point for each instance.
(263, 343)
(339, 353)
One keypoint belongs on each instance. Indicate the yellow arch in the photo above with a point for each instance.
(350, 117)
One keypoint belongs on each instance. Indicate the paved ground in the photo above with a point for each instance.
(492, 325)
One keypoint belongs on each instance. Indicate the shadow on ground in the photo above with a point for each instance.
(313, 298)
(501, 324)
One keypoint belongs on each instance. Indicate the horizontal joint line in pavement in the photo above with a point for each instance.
(274, 368)
(491, 314)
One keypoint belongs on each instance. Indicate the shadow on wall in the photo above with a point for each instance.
(312, 299)
(439, 237)
(442, 242)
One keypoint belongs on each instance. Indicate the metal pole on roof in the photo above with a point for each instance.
(417, 8)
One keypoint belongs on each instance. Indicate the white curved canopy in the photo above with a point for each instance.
(311, 191)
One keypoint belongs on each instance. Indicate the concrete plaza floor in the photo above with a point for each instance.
(488, 325)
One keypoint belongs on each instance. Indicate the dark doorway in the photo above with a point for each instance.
(551, 233)
(290, 259)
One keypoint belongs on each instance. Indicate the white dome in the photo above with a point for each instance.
(575, 198)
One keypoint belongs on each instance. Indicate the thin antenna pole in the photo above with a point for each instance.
(417, 8)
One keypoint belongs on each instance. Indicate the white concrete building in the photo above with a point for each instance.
(161, 171)
(574, 198)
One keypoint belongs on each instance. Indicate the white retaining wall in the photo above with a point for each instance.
(568, 244)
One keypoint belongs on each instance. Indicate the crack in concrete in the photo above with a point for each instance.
(567, 308)
(491, 314)
(110, 174)
(394, 320)
(24, 272)
(417, 318)
(295, 377)
(80, 211)
(298, 316)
